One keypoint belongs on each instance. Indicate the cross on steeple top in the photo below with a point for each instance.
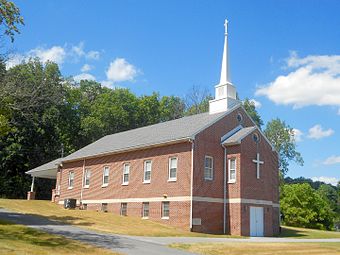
(226, 27)
(258, 162)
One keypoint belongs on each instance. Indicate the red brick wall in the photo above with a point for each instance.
(179, 212)
(158, 187)
(208, 142)
(265, 188)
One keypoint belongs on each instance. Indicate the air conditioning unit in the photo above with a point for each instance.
(70, 203)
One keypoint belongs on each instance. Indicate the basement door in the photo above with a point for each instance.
(256, 221)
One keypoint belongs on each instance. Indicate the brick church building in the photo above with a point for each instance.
(213, 172)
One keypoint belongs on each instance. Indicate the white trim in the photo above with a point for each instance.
(212, 168)
(232, 180)
(162, 210)
(69, 179)
(136, 200)
(174, 178)
(108, 176)
(143, 210)
(87, 170)
(145, 162)
(182, 199)
(124, 183)
(208, 199)
(231, 132)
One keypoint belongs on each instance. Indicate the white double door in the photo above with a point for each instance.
(256, 221)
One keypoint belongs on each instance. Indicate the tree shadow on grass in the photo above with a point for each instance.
(287, 232)
(34, 219)
(10, 231)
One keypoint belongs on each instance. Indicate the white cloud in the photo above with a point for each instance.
(55, 54)
(95, 55)
(78, 49)
(330, 180)
(85, 68)
(256, 103)
(314, 80)
(84, 76)
(120, 70)
(107, 83)
(317, 132)
(332, 160)
(297, 135)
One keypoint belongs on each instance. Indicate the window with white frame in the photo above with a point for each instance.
(232, 170)
(165, 210)
(147, 171)
(208, 168)
(70, 180)
(145, 210)
(87, 178)
(106, 173)
(126, 173)
(173, 169)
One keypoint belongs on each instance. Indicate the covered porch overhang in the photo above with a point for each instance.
(46, 171)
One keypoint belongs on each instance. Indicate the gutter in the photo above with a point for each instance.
(191, 181)
(224, 189)
(82, 183)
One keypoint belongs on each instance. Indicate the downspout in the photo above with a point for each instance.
(82, 183)
(225, 190)
(192, 181)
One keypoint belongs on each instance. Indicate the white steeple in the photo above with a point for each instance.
(225, 92)
(225, 76)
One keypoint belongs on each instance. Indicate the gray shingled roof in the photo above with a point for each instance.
(174, 130)
(48, 170)
(238, 136)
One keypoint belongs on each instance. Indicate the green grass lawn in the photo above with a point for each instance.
(100, 221)
(261, 248)
(18, 239)
(111, 223)
(293, 232)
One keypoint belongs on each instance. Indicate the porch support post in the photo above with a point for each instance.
(32, 185)
(31, 194)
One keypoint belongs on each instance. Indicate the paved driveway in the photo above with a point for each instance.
(118, 243)
(134, 245)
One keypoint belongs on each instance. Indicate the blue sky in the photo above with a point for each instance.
(284, 54)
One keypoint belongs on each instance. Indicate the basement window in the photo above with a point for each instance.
(123, 209)
(165, 210)
(145, 210)
(104, 207)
